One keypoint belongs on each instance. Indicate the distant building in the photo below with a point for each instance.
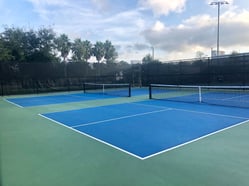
(214, 53)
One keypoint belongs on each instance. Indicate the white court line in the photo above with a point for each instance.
(166, 109)
(99, 140)
(212, 114)
(119, 118)
(207, 113)
(13, 103)
(240, 96)
(194, 140)
(152, 155)
(148, 105)
(230, 98)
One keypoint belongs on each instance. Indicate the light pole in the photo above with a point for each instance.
(218, 3)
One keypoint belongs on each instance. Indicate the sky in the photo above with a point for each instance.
(173, 29)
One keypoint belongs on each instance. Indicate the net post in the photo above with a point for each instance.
(84, 87)
(1, 87)
(200, 94)
(129, 93)
(103, 88)
(150, 93)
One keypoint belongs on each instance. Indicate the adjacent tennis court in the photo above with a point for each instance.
(125, 140)
(233, 96)
(54, 99)
(94, 92)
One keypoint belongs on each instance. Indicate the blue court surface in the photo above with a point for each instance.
(55, 99)
(67, 98)
(145, 129)
(233, 97)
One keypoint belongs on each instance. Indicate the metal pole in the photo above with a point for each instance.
(218, 3)
(218, 31)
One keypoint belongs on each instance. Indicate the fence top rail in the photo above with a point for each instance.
(108, 84)
(199, 86)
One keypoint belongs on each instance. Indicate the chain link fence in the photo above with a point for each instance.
(30, 78)
(232, 70)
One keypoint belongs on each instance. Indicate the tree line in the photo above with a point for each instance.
(43, 45)
(26, 56)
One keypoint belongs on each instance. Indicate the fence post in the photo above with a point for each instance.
(150, 92)
(1, 87)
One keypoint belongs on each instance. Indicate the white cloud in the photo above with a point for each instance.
(159, 26)
(44, 7)
(102, 5)
(199, 32)
(164, 7)
(42, 4)
(199, 20)
(89, 19)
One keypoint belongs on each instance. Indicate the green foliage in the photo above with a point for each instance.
(234, 53)
(87, 50)
(149, 59)
(5, 53)
(77, 50)
(82, 50)
(200, 54)
(12, 39)
(19, 45)
(99, 51)
(46, 46)
(110, 52)
(63, 45)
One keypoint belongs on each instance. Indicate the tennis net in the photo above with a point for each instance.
(123, 89)
(236, 96)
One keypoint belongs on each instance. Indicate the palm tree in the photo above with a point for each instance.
(77, 49)
(87, 50)
(99, 52)
(110, 52)
(63, 45)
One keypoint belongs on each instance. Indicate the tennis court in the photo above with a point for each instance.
(94, 94)
(54, 99)
(124, 141)
(143, 129)
(233, 96)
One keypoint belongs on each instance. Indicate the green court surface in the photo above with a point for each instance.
(35, 151)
